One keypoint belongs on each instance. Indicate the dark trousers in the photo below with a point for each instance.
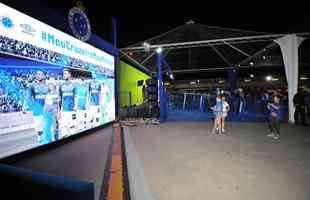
(274, 125)
(300, 114)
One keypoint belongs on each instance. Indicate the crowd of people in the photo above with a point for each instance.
(272, 105)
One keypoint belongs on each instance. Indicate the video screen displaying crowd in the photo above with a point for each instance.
(15, 47)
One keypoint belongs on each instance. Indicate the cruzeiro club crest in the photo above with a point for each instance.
(79, 24)
(6, 22)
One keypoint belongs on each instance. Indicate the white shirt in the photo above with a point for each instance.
(225, 107)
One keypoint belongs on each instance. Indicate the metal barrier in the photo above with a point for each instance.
(197, 107)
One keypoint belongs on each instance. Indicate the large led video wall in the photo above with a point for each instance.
(52, 85)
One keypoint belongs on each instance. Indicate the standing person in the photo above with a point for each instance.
(274, 117)
(68, 106)
(225, 112)
(38, 91)
(51, 112)
(299, 103)
(307, 102)
(265, 100)
(217, 111)
(82, 97)
(95, 101)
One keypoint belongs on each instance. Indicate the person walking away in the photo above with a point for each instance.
(274, 117)
(299, 103)
(226, 109)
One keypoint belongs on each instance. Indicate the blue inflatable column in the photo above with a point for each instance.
(161, 96)
(232, 80)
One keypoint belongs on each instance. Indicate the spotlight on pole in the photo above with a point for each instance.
(159, 50)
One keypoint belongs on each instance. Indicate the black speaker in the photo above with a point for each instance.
(151, 82)
(140, 82)
(151, 90)
(152, 97)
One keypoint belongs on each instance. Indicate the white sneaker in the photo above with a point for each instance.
(223, 130)
(270, 135)
(276, 137)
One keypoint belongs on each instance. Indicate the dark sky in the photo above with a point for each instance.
(138, 21)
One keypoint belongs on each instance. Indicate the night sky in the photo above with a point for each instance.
(138, 21)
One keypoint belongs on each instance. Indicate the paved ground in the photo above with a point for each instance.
(82, 159)
(185, 161)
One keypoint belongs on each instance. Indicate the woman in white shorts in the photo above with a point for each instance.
(224, 113)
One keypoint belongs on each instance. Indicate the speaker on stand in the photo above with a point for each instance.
(152, 98)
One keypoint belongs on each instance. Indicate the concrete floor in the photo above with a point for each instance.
(81, 159)
(185, 161)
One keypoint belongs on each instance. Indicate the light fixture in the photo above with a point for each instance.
(304, 78)
(251, 75)
(159, 50)
(146, 44)
(274, 79)
(251, 63)
(192, 82)
(171, 76)
(268, 78)
(264, 57)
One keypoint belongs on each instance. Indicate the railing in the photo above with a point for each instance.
(241, 109)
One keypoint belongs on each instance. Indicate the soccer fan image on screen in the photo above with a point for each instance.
(94, 90)
(82, 92)
(67, 94)
(51, 110)
(38, 91)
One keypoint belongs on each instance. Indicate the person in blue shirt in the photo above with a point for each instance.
(38, 91)
(95, 102)
(68, 106)
(67, 93)
(274, 117)
(82, 93)
(218, 113)
(94, 89)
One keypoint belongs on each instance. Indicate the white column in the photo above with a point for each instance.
(289, 47)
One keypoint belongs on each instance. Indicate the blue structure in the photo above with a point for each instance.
(162, 94)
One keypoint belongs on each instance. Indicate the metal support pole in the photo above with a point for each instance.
(237, 49)
(184, 101)
(201, 104)
(221, 55)
(114, 32)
